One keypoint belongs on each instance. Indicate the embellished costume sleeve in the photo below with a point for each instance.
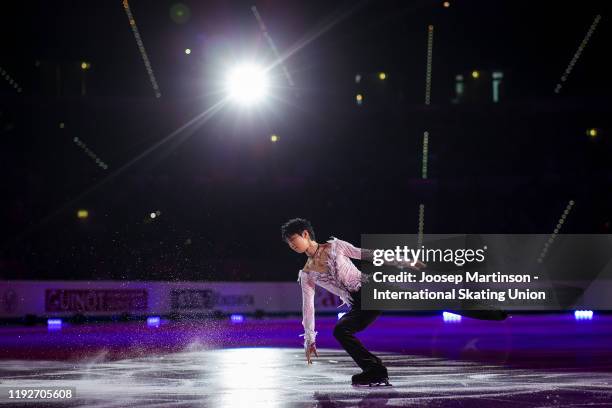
(308, 318)
(351, 251)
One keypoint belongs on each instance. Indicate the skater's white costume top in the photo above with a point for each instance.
(341, 278)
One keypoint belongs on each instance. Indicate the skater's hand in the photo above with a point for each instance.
(309, 350)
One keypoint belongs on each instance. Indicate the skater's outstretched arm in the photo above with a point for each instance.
(308, 321)
(368, 255)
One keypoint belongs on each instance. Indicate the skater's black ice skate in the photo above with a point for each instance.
(372, 378)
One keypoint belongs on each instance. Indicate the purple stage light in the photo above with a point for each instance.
(54, 324)
(451, 317)
(237, 318)
(583, 314)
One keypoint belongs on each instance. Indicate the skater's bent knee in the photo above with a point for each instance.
(340, 331)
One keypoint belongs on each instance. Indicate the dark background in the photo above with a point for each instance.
(223, 189)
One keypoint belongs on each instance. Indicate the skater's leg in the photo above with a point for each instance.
(344, 332)
(355, 321)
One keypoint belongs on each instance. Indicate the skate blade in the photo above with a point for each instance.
(374, 384)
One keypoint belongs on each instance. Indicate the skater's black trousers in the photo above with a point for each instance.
(355, 321)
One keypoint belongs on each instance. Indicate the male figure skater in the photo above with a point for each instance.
(329, 266)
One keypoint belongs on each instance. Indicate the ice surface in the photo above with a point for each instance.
(279, 377)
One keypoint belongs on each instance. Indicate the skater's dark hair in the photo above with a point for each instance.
(296, 226)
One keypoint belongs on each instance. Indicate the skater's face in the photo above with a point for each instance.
(299, 242)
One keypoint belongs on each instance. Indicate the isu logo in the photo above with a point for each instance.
(206, 299)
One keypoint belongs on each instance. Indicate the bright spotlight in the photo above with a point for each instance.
(247, 84)
(187, 51)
